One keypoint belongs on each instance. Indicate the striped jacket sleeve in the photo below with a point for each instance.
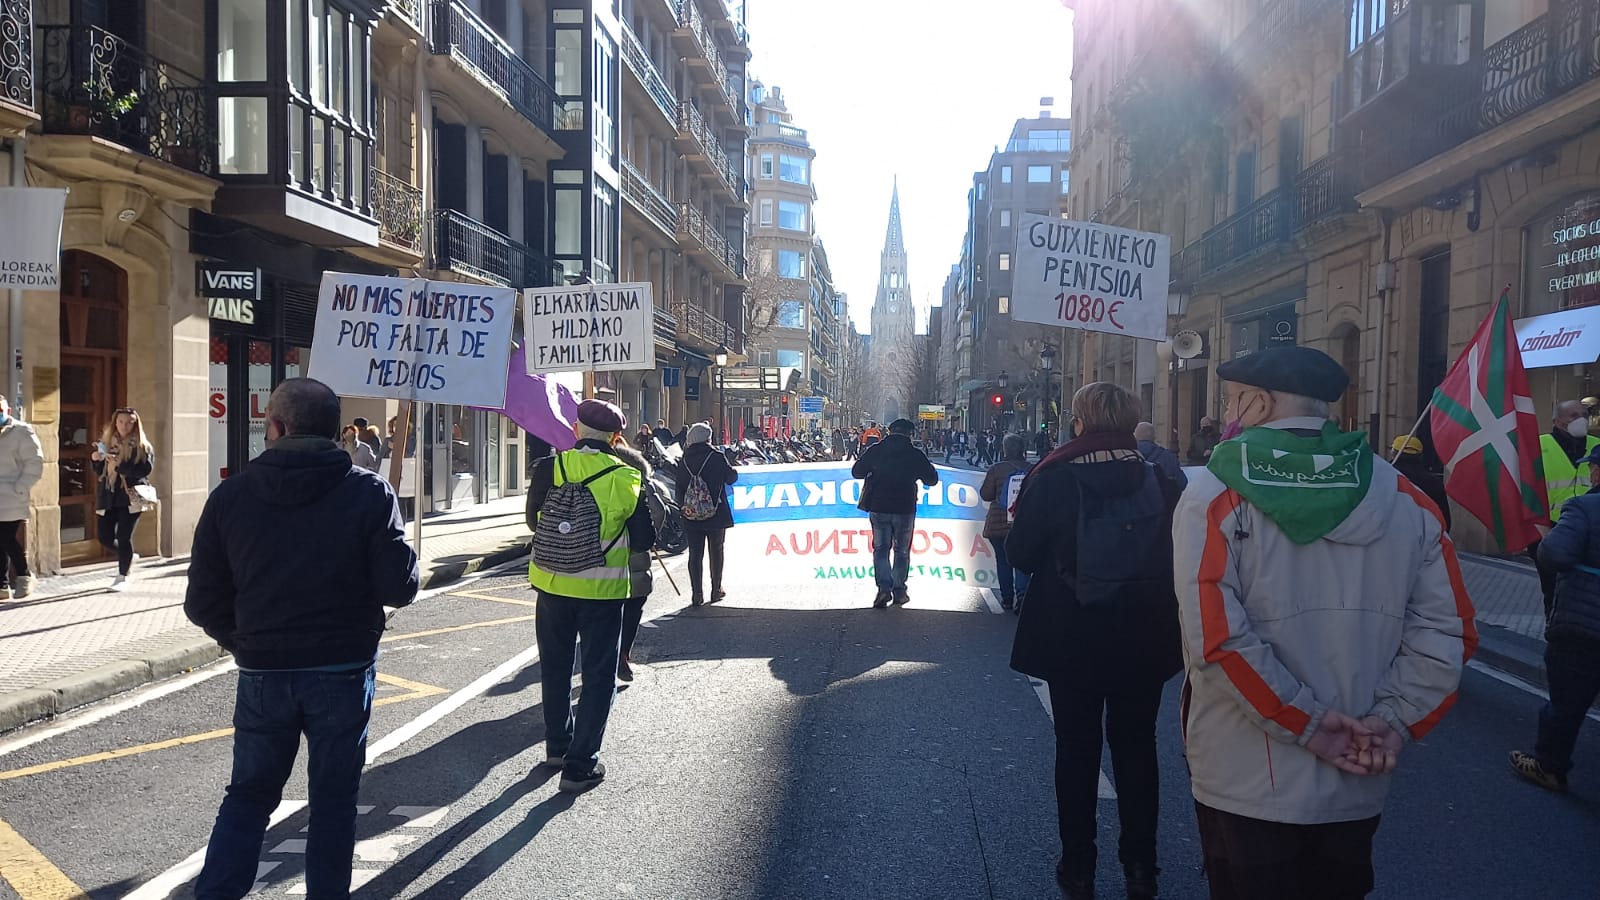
(1439, 635)
(1225, 655)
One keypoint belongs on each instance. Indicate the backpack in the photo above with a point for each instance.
(567, 538)
(1120, 542)
(699, 505)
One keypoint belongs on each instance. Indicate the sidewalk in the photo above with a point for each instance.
(74, 642)
(1510, 607)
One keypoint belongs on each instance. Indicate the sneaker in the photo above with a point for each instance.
(1141, 881)
(1528, 767)
(119, 583)
(719, 595)
(697, 600)
(624, 669)
(1074, 887)
(22, 588)
(901, 598)
(882, 600)
(578, 782)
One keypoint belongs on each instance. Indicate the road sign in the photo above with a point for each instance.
(811, 405)
(930, 412)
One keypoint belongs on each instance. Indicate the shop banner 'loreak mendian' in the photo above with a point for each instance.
(30, 237)
(797, 523)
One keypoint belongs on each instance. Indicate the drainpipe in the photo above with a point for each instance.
(19, 177)
(1386, 278)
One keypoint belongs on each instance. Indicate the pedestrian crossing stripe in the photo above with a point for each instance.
(385, 848)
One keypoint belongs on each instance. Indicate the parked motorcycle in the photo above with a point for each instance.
(662, 495)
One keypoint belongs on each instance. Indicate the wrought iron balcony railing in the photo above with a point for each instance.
(693, 225)
(638, 190)
(666, 330)
(16, 52)
(702, 325)
(463, 244)
(643, 66)
(412, 11)
(93, 82)
(459, 33)
(690, 18)
(397, 206)
(690, 122)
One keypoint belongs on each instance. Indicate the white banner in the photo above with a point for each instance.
(1093, 277)
(412, 339)
(590, 328)
(30, 237)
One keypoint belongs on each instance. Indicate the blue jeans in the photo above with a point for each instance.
(1572, 666)
(332, 709)
(892, 531)
(560, 624)
(1013, 582)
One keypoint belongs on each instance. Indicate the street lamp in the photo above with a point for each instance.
(1047, 363)
(1004, 381)
(1178, 297)
(722, 392)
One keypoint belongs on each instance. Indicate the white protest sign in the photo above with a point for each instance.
(412, 339)
(30, 237)
(589, 328)
(1093, 277)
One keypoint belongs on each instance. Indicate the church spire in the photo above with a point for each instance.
(894, 241)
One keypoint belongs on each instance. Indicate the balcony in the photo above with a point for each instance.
(700, 238)
(644, 68)
(701, 147)
(16, 67)
(93, 83)
(466, 246)
(397, 205)
(412, 12)
(698, 326)
(643, 196)
(460, 35)
(666, 328)
(705, 62)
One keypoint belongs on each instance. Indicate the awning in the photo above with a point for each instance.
(973, 384)
(694, 357)
(1569, 337)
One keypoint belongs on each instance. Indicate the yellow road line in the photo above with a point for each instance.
(480, 596)
(416, 690)
(29, 873)
(455, 628)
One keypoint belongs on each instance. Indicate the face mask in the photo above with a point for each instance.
(1578, 427)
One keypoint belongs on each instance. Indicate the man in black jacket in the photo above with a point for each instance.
(294, 560)
(891, 470)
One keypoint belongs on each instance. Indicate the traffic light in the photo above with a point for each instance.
(785, 401)
(998, 400)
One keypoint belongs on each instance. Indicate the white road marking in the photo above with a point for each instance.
(261, 875)
(1516, 682)
(358, 879)
(292, 845)
(161, 886)
(361, 810)
(137, 698)
(383, 849)
(420, 816)
(992, 600)
(1107, 790)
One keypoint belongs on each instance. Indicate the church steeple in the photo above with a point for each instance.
(894, 242)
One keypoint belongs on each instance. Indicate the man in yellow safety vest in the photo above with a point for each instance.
(1566, 475)
(592, 513)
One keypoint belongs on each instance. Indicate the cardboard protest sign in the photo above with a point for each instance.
(1092, 277)
(590, 328)
(413, 339)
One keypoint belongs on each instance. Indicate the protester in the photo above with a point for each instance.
(1203, 442)
(1566, 475)
(870, 436)
(1041, 441)
(361, 454)
(592, 512)
(664, 434)
(122, 462)
(890, 471)
(710, 534)
(1408, 462)
(837, 444)
(1156, 455)
(997, 521)
(21, 467)
(305, 636)
(1324, 626)
(1572, 638)
(1100, 626)
(368, 435)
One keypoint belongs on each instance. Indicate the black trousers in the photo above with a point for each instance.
(1129, 713)
(1572, 667)
(116, 534)
(1252, 859)
(632, 614)
(16, 556)
(701, 539)
(1547, 580)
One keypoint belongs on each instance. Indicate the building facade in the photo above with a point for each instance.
(894, 364)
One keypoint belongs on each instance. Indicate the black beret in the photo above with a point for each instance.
(602, 416)
(1289, 370)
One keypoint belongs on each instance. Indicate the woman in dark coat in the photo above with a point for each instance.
(700, 458)
(1102, 632)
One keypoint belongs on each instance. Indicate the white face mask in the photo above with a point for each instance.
(1578, 427)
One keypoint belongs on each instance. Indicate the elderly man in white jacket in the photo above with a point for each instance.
(1325, 624)
(21, 467)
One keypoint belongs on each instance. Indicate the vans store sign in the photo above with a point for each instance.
(231, 293)
(30, 238)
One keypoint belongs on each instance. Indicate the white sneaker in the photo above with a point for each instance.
(119, 583)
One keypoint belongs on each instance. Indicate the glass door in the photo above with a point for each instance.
(85, 409)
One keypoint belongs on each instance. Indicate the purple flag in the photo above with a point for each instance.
(541, 406)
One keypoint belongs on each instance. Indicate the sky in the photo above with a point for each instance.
(924, 89)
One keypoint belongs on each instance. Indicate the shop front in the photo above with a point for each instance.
(1560, 332)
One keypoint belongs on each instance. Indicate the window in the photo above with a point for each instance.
(765, 357)
(1005, 218)
(1005, 262)
(1003, 305)
(1040, 175)
(791, 215)
(329, 112)
(569, 78)
(791, 314)
(794, 169)
(792, 358)
(1065, 182)
(766, 213)
(791, 264)
(1005, 174)
(766, 166)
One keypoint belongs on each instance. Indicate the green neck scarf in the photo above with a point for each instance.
(1305, 485)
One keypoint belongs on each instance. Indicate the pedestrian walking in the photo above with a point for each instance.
(702, 494)
(1324, 626)
(21, 467)
(1156, 455)
(123, 460)
(1100, 626)
(997, 490)
(890, 471)
(1203, 442)
(641, 580)
(1562, 454)
(838, 444)
(369, 435)
(592, 512)
(664, 434)
(1408, 462)
(1572, 637)
(305, 636)
(360, 452)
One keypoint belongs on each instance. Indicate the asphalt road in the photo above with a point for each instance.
(784, 744)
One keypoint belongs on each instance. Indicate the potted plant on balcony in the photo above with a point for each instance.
(99, 103)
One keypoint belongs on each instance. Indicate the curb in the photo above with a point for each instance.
(1512, 653)
(56, 697)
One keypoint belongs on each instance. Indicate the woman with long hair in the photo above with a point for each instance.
(122, 460)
